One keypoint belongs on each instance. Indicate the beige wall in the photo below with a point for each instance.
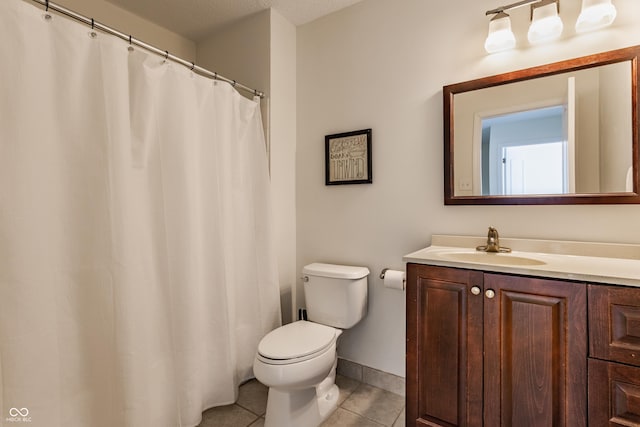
(382, 64)
(283, 153)
(260, 51)
(241, 51)
(128, 23)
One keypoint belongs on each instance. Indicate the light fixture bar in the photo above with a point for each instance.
(511, 6)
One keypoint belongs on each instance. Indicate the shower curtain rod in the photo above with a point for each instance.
(96, 25)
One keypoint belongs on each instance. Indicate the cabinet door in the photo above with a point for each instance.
(444, 347)
(535, 352)
(614, 393)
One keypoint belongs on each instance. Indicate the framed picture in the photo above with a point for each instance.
(348, 158)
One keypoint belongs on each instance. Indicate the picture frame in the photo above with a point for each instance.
(348, 158)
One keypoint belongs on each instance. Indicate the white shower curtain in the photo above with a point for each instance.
(136, 266)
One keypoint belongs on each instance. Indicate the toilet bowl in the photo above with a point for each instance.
(298, 361)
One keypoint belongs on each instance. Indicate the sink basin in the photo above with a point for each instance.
(491, 258)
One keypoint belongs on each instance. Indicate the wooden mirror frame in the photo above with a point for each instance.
(614, 56)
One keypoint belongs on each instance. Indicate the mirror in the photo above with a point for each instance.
(563, 133)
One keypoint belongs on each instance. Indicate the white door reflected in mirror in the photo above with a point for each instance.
(534, 169)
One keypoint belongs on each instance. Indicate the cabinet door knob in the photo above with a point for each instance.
(476, 290)
(490, 293)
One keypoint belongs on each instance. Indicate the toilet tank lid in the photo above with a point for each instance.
(335, 271)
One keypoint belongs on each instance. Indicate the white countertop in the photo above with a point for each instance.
(611, 263)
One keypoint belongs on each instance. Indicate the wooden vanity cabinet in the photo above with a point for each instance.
(487, 349)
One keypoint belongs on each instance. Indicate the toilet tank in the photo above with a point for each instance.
(336, 295)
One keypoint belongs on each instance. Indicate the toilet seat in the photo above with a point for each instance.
(296, 342)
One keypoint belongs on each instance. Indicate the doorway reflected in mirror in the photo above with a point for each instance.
(526, 152)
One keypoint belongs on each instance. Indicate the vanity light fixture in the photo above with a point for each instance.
(595, 14)
(546, 25)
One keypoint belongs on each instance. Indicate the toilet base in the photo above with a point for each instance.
(302, 408)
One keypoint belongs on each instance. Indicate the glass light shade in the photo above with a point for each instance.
(595, 14)
(500, 35)
(546, 25)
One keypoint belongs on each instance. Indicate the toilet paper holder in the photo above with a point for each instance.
(396, 279)
(383, 272)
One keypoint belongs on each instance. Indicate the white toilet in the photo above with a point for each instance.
(298, 361)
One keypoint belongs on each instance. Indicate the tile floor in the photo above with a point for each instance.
(359, 405)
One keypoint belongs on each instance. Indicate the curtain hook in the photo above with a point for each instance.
(166, 55)
(93, 34)
(234, 83)
(47, 15)
(130, 48)
(193, 65)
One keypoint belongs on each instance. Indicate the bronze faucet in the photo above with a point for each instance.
(493, 243)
